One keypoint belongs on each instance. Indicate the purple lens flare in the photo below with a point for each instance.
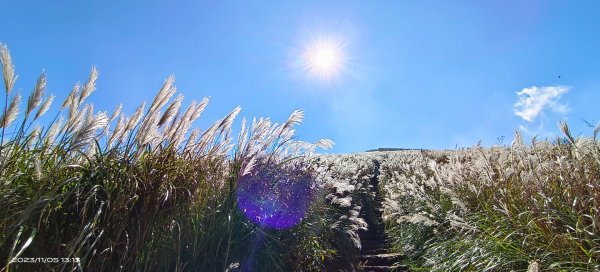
(275, 196)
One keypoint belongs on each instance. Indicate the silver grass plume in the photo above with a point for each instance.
(225, 125)
(177, 136)
(34, 136)
(37, 166)
(178, 129)
(148, 129)
(90, 85)
(224, 128)
(298, 147)
(325, 144)
(8, 69)
(87, 132)
(258, 132)
(164, 94)
(518, 141)
(243, 136)
(116, 113)
(45, 107)
(221, 148)
(170, 127)
(112, 117)
(270, 138)
(565, 129)
(71, 97)
(105, 127)
(53, 131)
(135, 118)
(177, 124)
(84, 116)
(247, 167)
(35, 99)
(171, 110)
(72, 105)
(199, 109)
(192, 139)
(91, 151)
(119, 129)
(208, 136)
(11, 114)
(295, 118)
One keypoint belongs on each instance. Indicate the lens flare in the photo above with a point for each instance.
(275, 196)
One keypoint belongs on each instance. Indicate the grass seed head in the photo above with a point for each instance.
(35, 99)
(8, 69)
(13, 111)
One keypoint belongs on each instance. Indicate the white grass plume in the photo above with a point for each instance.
(112, 117)
(324, 144)
(34, 136)
(90, 85)
(191, 142)
(116, 113)
(86, 133)
(295, 118)
(221, 128)
(171, 110)
(118, 132)
(135, 118)
(45, 107)
(8, 69)
(11, 114)
(71, 97)
(242, 138)
(35, 99)
(199, 109)
(164, 94)
(148, 129)
(83, 116)
(54, 130)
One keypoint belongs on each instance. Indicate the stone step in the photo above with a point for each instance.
(384, 268)
(375, 255)
(372, 234)
(370, 249)
(385, 259)
(374, 251)
(374, 227)
(378, 242)
(376, 239)
(376, 268)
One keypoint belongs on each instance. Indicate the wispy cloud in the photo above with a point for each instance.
(533, 101)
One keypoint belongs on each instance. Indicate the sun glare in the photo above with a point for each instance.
(324, 58)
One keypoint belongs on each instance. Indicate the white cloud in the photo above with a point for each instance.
(534, 100)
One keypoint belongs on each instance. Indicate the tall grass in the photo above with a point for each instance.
(112, 192)
(519, 207)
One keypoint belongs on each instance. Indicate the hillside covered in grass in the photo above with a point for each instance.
(95, 191)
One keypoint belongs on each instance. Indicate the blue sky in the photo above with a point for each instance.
(416, 74)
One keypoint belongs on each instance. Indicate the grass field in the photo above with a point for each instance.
(101, 191)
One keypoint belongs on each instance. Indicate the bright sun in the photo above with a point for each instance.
(324, 58)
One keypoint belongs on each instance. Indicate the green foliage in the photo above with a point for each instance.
(499, 209)
(145, 194)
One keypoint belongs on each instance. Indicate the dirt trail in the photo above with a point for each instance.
(375, 254)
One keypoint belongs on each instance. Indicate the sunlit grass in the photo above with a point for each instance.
(146, 192)
(498, 209)
(150, 192)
